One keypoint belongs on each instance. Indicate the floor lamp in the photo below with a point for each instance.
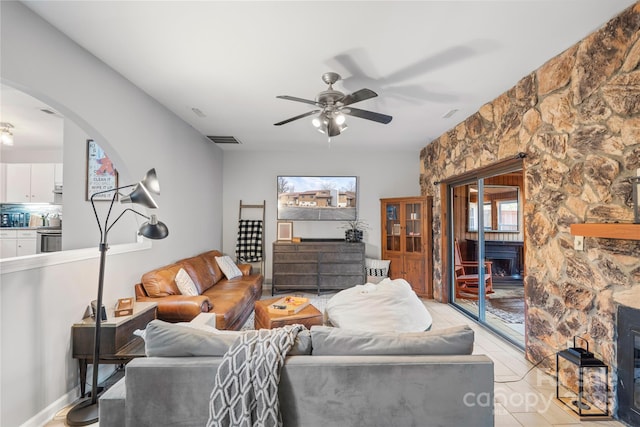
(86, 411)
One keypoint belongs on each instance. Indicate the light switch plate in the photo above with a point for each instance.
(578, 243)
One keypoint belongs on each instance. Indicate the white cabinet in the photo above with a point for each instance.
(8, 243)
(42, 175)
(15, 243)
(27, 183)
(8, 248)
(26, 242)
(18, 182)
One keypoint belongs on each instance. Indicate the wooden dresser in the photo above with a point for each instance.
(317, 265)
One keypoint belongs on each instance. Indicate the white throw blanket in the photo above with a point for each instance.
(391, 305)
(245, 392)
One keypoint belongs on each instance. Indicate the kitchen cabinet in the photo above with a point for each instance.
(29, 182)
(8, 243)
(15, 243)
(26, 243)
(406, 241)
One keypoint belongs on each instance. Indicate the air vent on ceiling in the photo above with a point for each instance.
(450, 113)
(198, 112)
(47, 111)
(223, 139)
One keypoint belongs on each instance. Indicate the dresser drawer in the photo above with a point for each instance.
(294, 257)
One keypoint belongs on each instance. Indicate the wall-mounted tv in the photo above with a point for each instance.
(317, 198)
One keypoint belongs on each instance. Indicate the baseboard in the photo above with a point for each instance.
(48, 413)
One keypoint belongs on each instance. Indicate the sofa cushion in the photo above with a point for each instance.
(185, 284)
(200, 272)
(231, 298)
(329, 341)
(228, 267)
(214, 268)
(161, 281)
(163, 339)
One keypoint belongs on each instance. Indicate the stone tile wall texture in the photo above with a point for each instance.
(577, 118)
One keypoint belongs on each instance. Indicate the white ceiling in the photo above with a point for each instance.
(33, 128)
(231, 59)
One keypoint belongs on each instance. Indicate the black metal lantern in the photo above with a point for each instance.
(582, 403)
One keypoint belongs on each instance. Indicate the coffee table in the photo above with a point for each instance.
(264, 319)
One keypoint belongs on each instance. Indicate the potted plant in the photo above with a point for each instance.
(354, 230)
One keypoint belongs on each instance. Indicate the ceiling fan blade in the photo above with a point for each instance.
(293, 98)
(296, 118)
(369, 115)
(357, 96)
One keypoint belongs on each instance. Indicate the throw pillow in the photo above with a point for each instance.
(328, 341)
(376, 269)
(228, 267)
(164, 339)
(185, 284)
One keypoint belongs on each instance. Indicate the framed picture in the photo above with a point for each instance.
(396, 229)
(285, 230)
(101, 175)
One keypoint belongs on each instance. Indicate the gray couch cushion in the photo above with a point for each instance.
(163, 339)
(344, 342)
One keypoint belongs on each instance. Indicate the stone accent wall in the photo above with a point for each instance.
(577, 118)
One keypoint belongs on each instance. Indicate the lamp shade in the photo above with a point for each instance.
(151, 182)
(154, 229)
(141, 196)
(141, 193)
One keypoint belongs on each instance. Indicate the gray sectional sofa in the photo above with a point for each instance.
(330, 378)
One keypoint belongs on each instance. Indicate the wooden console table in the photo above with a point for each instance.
(317, 265)
(118, 345)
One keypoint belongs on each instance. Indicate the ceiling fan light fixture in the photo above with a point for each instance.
(340, 119)
(6, 135)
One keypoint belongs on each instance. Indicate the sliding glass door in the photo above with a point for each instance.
(485, 246)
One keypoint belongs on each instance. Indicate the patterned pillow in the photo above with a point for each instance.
(228, 267)
(377, 267)
(185, 283)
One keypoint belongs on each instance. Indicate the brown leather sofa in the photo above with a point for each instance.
(231, 300)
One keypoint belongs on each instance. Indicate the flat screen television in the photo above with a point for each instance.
(317, 198)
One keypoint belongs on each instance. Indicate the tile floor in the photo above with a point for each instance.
(529, 402)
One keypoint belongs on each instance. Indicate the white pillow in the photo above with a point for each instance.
(376, 269)
(185, 284)
(228, 267)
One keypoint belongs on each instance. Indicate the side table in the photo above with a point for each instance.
(118, 344)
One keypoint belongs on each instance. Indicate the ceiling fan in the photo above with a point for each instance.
(333, 105)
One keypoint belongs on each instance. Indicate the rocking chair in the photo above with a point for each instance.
(466, 283)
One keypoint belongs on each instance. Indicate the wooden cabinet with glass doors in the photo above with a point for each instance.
(406, 241)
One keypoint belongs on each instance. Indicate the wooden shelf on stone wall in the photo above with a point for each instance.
(607, 231)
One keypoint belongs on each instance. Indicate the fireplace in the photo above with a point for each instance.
(628, 391)
(506, 257)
